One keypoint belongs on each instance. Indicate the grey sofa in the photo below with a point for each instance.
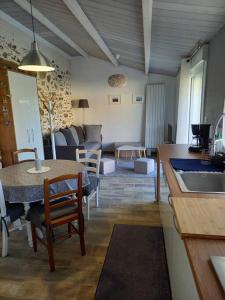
(67, 140)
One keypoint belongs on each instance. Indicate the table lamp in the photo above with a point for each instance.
(83, 103)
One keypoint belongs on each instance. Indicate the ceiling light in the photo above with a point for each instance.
(35, 61)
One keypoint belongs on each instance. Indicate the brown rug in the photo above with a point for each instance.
(135, 266)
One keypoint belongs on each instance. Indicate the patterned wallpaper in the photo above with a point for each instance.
(57, 83)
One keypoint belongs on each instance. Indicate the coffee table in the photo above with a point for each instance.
(130, 151)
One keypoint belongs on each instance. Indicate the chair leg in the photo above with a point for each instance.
(4, 240)
(97, 197)
(34, 237)
(88, 207)
(28, 225)
(50, 250)
(69, 229)
(81, 235)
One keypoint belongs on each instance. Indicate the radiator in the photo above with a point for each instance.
(155, 115)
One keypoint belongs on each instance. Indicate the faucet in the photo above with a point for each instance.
(213, 145)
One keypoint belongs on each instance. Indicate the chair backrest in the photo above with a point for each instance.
(2, 202)
(21, 151)
(68, 197)
(90, 158)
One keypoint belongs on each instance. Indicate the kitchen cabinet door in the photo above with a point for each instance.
(181, 279)
(26, 116)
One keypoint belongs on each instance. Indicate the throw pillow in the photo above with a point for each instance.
(60, 139)
(92, 133)
(75, 135)
(68, 136)
(80, 134)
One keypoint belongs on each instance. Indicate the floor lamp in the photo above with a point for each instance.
(51, 125)
(83, 103)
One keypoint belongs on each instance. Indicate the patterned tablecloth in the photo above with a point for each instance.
(21, 186)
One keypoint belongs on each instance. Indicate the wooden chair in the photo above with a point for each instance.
(15, 155)
(9, 213)
(91, 160)
(59, 208)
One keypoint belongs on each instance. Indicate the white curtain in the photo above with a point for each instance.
(183, 104)
(155, 115)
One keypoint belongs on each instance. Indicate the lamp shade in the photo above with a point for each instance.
(35, 61)
(83, 103)
(74, 103)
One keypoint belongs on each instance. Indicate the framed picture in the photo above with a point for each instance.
(138, 99)
(114, 99)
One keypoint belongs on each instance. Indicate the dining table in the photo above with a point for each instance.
(22, 183)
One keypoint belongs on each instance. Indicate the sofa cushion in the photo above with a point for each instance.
(68, 136)
(80, 134)
(75, 135)
(60, 139)
(92, 133)
(92, 146)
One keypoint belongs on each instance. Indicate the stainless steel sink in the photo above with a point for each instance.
(201, 182)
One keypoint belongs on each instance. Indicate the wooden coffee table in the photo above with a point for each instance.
(130, 151)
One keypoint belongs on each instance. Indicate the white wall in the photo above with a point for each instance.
(123, 122)
(215, 84)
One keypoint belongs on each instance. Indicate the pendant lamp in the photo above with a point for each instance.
(35, 61)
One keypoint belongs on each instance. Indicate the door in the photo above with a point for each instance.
(24, 98)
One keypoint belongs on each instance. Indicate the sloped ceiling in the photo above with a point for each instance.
(177, 25)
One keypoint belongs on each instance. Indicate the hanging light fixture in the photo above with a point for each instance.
(35, 61)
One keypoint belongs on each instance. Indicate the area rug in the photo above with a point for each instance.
(135, 266)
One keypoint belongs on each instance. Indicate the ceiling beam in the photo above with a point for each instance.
(147, 25)
(29, 32)
(79, 14)
(43, 20)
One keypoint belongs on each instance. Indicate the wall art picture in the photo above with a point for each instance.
(138, 99)
(114, 99)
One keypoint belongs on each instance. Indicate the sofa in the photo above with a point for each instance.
(67, 140)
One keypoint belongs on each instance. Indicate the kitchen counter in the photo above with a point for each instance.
(164, 153)
(198, 250)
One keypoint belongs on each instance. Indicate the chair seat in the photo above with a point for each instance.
(37, 216)
(14, 211)
(94, 182)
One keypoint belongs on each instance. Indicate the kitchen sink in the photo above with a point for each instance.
(201, 182)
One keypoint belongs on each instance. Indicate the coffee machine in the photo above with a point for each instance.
(201, 136)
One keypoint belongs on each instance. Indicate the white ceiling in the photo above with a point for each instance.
(177, 25)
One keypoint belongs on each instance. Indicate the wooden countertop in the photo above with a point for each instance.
(198, 250)
(200, 217)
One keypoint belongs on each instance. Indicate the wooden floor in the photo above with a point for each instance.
(25, 275)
